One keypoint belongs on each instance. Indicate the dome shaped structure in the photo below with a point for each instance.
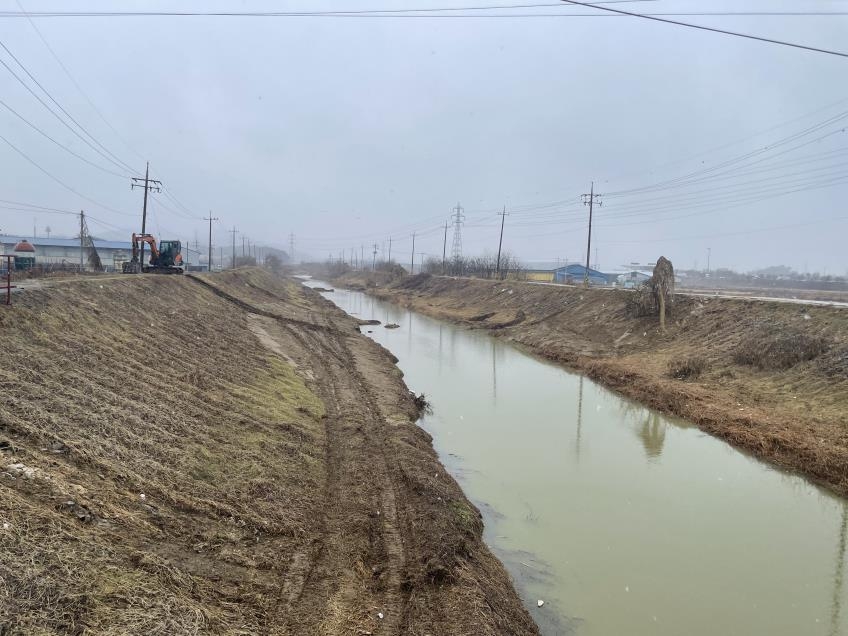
(24, 247)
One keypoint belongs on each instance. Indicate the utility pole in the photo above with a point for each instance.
(243, 241)
(362, 256)
(390, 249)
(149, 184)
(500, 242)
(445, 248)
(590, 199)
(412, 265)
(374, 260)
(709, 252)
(210, 218)
(234, 231)
(82, 249)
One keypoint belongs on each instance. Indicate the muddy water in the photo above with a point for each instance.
(622, 520)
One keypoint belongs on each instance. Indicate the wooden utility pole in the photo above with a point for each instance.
(589, 199)
(82, 224)
(500, 242)
(210, 218)
(445, 248)
(374, 259)
(390, 249)
(234, 231)
(412, 265)
(149, 184)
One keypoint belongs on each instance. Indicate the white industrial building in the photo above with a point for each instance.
(61, 251)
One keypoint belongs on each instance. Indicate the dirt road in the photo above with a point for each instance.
(240, 460)
(769, 377)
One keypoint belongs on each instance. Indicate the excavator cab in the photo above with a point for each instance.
(170, 254)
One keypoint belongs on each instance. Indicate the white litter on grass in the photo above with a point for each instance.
(142, 496)
(539, 603)
(6, 525)
(380, 615)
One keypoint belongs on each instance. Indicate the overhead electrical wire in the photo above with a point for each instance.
(702, 27)
(108, 155)
(76, 84)
(440, 12)
(59, 181)
(61, 145)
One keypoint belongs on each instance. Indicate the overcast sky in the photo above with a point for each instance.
(346, 131)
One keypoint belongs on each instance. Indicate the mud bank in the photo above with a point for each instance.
(770, 378)
(184, 455)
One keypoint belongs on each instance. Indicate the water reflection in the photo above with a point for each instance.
(579, 420)
(494, 372)
(649, 529)
(839, 577)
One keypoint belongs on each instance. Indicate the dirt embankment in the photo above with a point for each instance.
(770, 378)
(225, 455)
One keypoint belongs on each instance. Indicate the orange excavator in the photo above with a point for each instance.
(165, 258)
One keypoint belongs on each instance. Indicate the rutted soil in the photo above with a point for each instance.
(224, 454)
(770, 378)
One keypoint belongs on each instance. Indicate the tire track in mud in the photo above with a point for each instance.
(352, 410)
(348, 378)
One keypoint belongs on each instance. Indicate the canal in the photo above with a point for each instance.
(621, 519)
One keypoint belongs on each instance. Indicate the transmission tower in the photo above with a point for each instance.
(458, 217)
(87, 246)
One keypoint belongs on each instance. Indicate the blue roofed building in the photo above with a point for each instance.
(574, 274)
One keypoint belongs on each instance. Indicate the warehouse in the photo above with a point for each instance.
(576, 273)
(67, 252)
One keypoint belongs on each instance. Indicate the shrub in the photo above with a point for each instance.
(779, 349)
(687, 368)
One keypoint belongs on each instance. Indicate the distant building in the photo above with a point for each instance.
(61, 251)
(539, 275)
(575, 273)
(632, 278)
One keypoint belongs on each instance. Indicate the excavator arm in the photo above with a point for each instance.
(138, 239)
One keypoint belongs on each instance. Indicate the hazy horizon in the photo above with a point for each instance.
(346, 131)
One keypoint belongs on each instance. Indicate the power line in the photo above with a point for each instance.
(75, 83)
(706, 28)
(428, 13)
(284, 14)
(108, 155)
(61, 145)
(59, 181)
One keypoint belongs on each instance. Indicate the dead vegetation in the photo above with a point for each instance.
(774, 349)
(687, 368)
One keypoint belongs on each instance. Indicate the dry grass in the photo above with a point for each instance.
(779, 349)
(687, 368)
(178, 403)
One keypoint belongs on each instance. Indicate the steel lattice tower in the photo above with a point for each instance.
(458, 217)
